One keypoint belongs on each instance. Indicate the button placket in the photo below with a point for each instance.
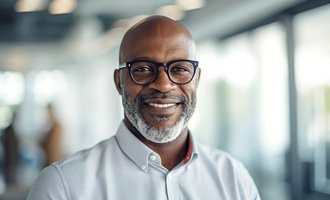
(172, 187)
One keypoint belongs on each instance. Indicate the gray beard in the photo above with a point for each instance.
(167, 134)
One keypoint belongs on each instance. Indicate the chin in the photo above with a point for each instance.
(161, 121)
(165, 133)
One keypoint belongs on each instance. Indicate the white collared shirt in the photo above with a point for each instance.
(122, 167)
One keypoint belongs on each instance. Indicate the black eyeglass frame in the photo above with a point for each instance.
(129, 64)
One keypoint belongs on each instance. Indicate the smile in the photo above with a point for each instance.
(161, 105)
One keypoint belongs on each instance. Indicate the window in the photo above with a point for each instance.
(313, 87)
(246, 75)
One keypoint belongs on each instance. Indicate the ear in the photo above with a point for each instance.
(116, 77)
(198, 76)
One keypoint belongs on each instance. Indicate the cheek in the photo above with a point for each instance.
(189, 91)
(130, 89)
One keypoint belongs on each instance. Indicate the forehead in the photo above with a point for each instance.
(160, 41)
(159, 48)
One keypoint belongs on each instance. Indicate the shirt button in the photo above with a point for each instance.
(169, 177)
(152, 157)
(144, 167)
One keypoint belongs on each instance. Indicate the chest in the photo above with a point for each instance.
(129, 182)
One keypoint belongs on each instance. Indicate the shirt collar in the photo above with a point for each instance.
(192, 151)
(139, 153)
(133, 147)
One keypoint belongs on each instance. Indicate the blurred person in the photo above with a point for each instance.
(51, 142)
(153, 155)
(10, 142)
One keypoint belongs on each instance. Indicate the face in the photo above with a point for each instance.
(160, 110)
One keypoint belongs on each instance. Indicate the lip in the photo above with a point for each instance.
(161, 101)
(165, 107)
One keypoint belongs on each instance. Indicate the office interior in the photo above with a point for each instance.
(264, 94)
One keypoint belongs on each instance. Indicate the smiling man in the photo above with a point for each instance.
(153, 155)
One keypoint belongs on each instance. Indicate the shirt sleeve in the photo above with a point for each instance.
(248, 184)
(49, 186)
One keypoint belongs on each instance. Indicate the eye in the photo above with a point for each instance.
(178, 69)
(181, 69)
(142, 69)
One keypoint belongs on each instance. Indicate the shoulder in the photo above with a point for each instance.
(79, 166)
(228, 168)
(93, 154)
(49, 185)
(220, 159)
(216, 156)
(57, 180)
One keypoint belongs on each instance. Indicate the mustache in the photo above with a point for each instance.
(160, 95)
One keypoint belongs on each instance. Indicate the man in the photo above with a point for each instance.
(153, 155)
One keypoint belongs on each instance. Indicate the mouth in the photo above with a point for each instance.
(164, 107)
(161, 105)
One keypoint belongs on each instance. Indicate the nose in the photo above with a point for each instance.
(162, 83)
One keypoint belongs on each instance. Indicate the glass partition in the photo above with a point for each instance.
(313, 87)
(243, 95)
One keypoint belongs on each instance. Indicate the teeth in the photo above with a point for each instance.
(166, 105)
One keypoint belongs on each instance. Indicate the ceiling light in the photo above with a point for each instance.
(62, 6)
(29, 5)
(190, 4)
(172, 11)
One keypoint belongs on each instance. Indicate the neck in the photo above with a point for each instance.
(171, 153)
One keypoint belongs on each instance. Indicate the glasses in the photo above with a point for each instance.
(144, 72)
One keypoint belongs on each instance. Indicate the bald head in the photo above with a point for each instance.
(154, 31)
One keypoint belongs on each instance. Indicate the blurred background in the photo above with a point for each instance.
(264, 94)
